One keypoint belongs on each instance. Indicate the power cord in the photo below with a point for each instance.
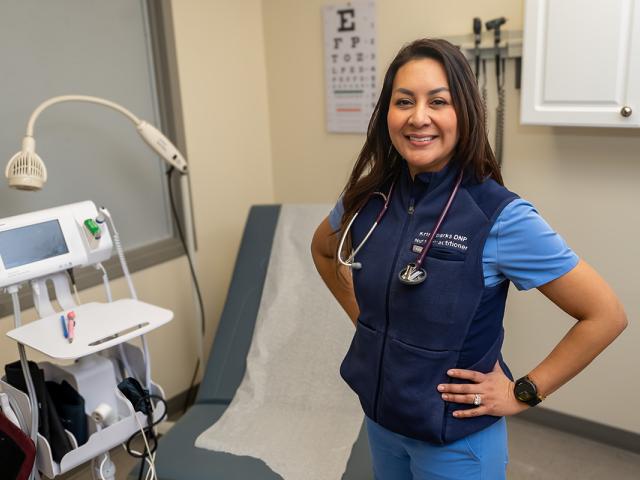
(147, 456)
(174, 211)
(151, 461)
(104, 460)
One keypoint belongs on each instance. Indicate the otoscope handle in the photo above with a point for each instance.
(495, 25)
(477, 28)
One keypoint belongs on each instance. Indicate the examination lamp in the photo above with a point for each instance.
(26, 170)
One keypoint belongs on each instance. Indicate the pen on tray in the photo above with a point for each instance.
(71, 323)
(64, 326)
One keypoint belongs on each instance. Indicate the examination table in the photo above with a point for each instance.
(177, 458)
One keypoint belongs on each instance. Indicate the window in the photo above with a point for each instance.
(121, 50)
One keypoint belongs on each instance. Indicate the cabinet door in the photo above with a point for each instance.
(581, 63)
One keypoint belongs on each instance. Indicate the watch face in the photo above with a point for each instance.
(524, 392)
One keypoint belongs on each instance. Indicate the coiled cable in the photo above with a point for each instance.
(125, 270)
(500, 111)
(484, 95)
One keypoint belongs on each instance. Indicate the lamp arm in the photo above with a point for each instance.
(150, 134)
(77, 98)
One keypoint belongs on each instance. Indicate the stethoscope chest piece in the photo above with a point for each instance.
(413, 273)
(410, 275)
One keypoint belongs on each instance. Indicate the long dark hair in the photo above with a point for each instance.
(379, 162)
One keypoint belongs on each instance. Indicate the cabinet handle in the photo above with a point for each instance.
(626, 111)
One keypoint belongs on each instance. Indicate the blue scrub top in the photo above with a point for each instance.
(521, 247)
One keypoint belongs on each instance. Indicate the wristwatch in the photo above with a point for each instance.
(526, 391)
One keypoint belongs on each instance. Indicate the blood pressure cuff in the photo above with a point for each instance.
(136, 394)
(17, 451)
(49, 424)
(70, 407)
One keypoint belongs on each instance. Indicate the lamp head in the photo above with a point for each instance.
(162, 146)
(26, 170)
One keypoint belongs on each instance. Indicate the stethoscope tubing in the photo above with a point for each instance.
(412, 274)
(443, 214)
(349, 261)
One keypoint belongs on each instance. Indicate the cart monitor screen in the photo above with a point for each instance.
(24, 245)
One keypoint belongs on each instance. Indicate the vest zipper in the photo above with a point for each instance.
(407, 221)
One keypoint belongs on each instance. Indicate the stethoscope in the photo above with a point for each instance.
(413, 273)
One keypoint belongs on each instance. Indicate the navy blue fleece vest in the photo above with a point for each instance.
(407, 337)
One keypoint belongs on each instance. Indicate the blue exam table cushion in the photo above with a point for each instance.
(178, 459)
(227, 362)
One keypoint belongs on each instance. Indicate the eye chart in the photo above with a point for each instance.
(350, 66)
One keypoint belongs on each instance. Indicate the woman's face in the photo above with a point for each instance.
(422, 121)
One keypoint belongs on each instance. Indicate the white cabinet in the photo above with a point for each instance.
(581, 63)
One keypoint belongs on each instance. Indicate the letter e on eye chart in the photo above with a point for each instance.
(350, 65)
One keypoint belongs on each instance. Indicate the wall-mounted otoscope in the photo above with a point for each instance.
(495, 25)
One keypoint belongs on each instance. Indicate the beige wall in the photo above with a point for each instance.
(581, 179)
(223, 81)
(224, 99)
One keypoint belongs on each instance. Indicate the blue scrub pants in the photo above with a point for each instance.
(479, 456)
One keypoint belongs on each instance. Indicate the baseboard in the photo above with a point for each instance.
(584, 428)
(176, 404)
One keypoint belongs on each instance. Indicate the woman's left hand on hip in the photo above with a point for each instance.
(493, 391)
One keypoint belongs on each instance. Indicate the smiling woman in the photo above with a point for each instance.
(426, 358)
(422, 121)
(427, 87)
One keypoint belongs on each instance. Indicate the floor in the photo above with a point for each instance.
(542, 453)
(536, 453)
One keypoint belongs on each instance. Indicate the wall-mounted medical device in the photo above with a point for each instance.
(41, 243)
